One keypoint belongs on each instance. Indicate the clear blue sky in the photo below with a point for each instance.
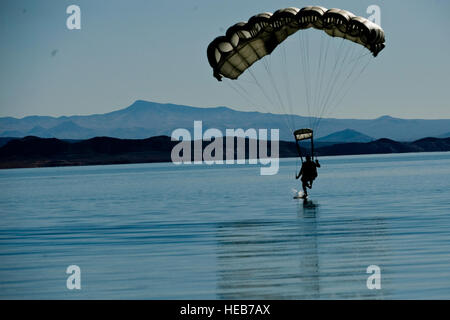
(156, 50)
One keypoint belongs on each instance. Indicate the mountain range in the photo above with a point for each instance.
(145, 119)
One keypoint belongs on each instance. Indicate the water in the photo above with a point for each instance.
(160, 231)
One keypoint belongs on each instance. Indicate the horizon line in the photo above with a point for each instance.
(215, 107)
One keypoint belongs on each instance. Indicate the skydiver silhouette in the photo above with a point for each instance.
(308, 172)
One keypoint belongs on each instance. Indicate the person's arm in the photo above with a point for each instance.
(299, 173)
(317, 163)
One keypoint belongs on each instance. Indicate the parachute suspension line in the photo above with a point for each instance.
(241, 91)
(330, 96)
(357, 77)
(264, 92)
(321, 73)
(348, 83)
(361, 55)
(262, 89)
(319, 65)
(333, 79)
(311, 96)
(236, 90)
(245, 94)
(266, 64)
(308, 72)
(242, 88)
(303, 61)
(342, 56)
(288, 87)
(330, 81)
(337, 79)
(353, 68)
(304, 46)
(260, 86)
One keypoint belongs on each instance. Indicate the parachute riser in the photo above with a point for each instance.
(304, 134)
(299, 150)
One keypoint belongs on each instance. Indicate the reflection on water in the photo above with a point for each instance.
(306, 258)
(309, 260)
(309, 208)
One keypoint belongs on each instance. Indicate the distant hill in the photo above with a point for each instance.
(145, 119)
(445, 135)
(5, 140)
(386, 146)
(347, 135)
(46, 152)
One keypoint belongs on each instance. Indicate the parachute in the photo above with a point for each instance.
(244, 44)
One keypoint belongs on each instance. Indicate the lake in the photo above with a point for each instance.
(161, 231)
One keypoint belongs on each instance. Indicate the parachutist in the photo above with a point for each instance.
(308, 172)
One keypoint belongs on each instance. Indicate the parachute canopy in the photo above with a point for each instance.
(246, 42)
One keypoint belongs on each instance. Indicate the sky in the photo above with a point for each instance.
(155, 50)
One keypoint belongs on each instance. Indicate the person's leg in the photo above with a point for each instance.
(304, 184)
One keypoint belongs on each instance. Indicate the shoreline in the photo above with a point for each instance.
(35, 152)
